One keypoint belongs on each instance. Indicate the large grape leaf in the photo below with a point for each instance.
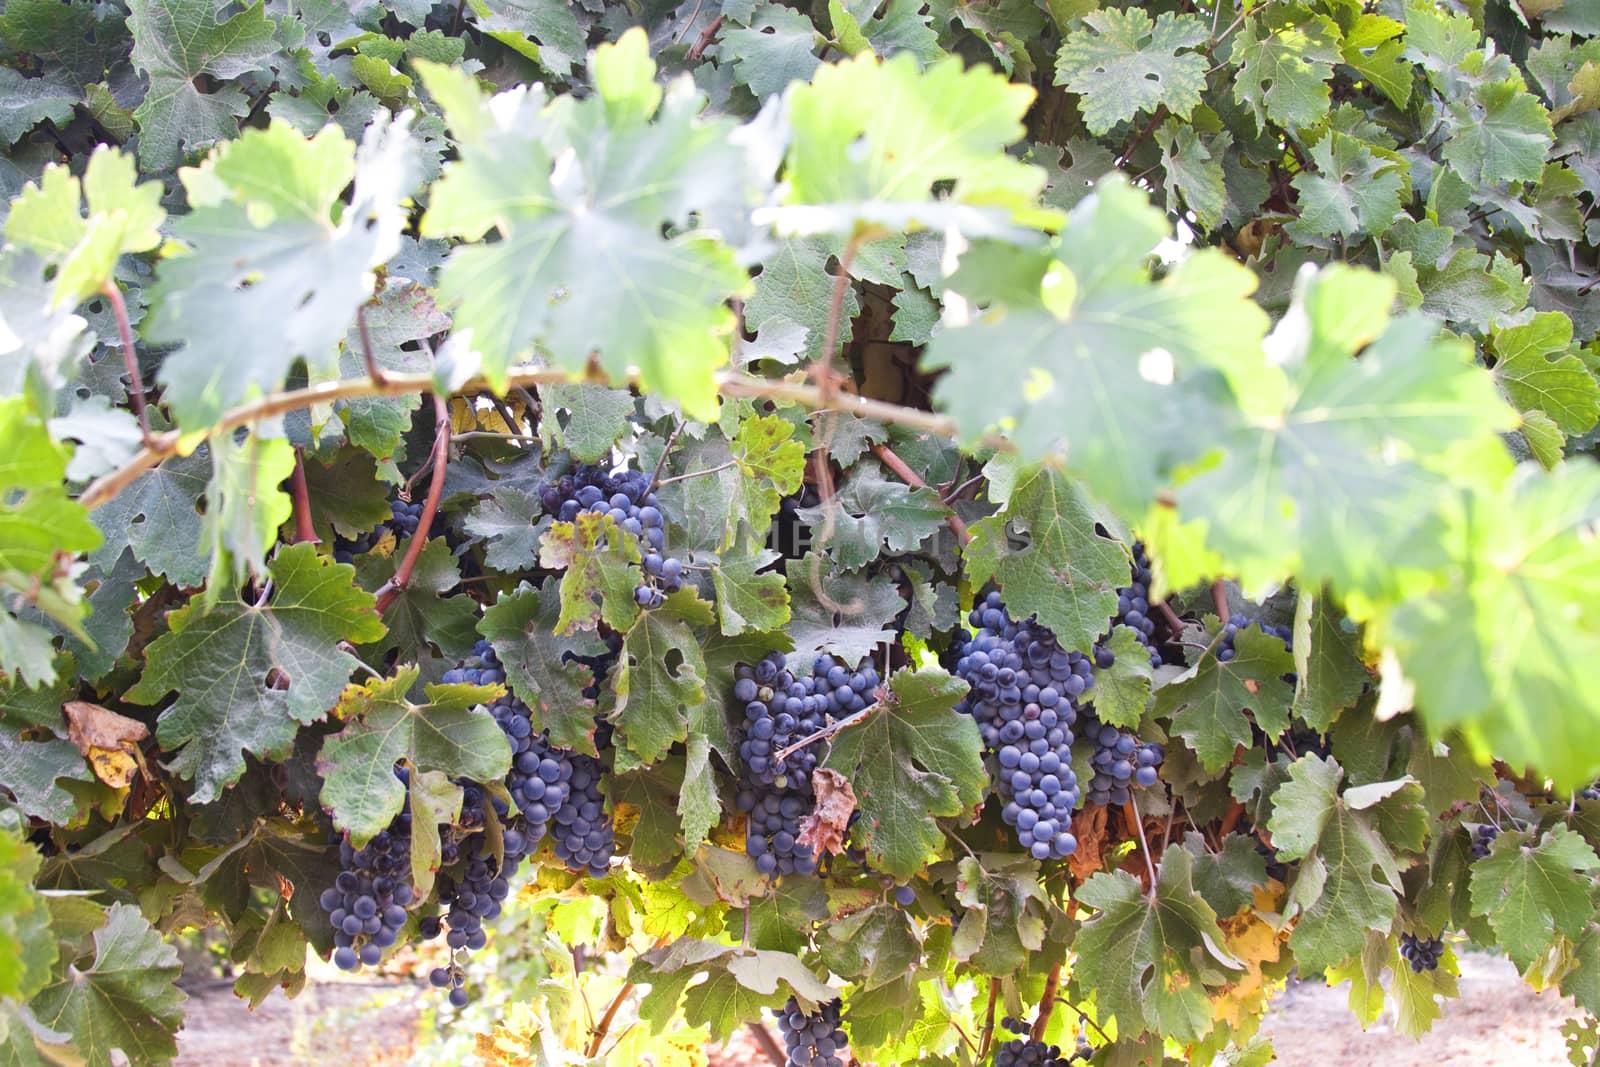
(596, 418)
(795, 291)
(845, 614)
(912, 761)
(1329, 470)
(602, 571)
(1500, 132)
(78, 40)
(1338, 839)
(31, 770)
(1147, 956)
(1066, 573)
(246, 676)
(740, 983)
(1208, 706)
(158, 517)
(771, 48)
(950, 123)
(877, 515)
(401, 317)
(1536, 368)
(27, 946)
(748, 596)
(546, 31)
(521, 626)
(1286, 56)
(1351, 190)
(175, 43)
(451, 733)
(581, 269)
(1327, 660)
(1133, 362)
(121, 996)
(123, 216)
(1531, 891)
(1131, 64)
(661, 677)
(263, 212)
(1505, 651)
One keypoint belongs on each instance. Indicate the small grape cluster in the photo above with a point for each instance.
(404, 516)
(584, 835)
(1025, 1052)
(773, 832)
(367, 903)
(627, 498)
(1024, 690)
(476, 885)
(813, 1040)
(1133, 604)
(782, 708)
(1590, 792)
(1422, 955)
(1482, 838)
(1120, 761)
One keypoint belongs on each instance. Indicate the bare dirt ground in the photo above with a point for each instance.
(1497, 1022)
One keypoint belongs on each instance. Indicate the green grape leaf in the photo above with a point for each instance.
(27, 946)
(873, 947)
(1285, 56)
(262, 211)
(1340, 845)
(1372, 49)
(567, 248)
(521, 626)
(1228, 878)
(158, 518)
(1501, 134)
(1328, 660)
(845, 614)
(37, 520)
(347, 499)
(1351, 190)
(1129, 65)
(1208, 706)
(602, 571)
(1194, 169)
(772, 48)
(861, 163)
(1006, 913)
(80, 41)
(1148, 956)
(877, 516)
(248, 677)
(1333, 456)
(795, 289)
(1533, 890)
(422, 619)
(175, 43)
(508, 521)
(1066, 573)
(550, 25)
(596, 418)
(32, 770)
(1503, 650)
(401, 316)
(38, 340)
(771, 464)
(122, 995)
(1127, 357)
(781, 920)
(913, 760)
(1122, 690)
(244, 504)
(1535, 367)
(661, 677)
(451, 733)
(741, 983)
(747, 599)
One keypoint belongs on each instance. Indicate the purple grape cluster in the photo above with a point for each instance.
(404, 516)
(782, 707)
(367, 903)
(1025, 1052)
(1120, 761)
(1482, 838)
(813, 1040)
(627, 498)
(1024, 692)
(773, 830)
(1133, 604)
(1421, 953)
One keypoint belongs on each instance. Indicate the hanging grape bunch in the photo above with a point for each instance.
(1421, 953)
(1133, 604)
(402, 523)
(367, 903)
(813, 1040)
(627, 498)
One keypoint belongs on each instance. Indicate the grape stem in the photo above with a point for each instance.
(719, 468)
(373, 370)
(1219, 597)
(1047, 1003)
(763, 1036)
(304, 531)
(703, 42)
(604, 1026)
(441, 459)
(666, 450)
(1144, 843)
(130, 358)
(827, 731)
(888, 458)
(987, 1039)
(1171, 617)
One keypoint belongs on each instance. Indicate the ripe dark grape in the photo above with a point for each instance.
(1025, 1052)
(366, 905)
(1590, 792)
(1422, 955)
(1120, 761)
(584, 835)
(904, 895)
(627, 498)
(1133, 604)
(402, 523)
(813, 1040)
(773, 831)
(1024, 695)
(1482, 838)
(782, 708)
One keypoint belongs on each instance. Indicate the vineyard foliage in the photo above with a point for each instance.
(925, 519)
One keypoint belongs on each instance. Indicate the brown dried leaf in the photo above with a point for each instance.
(824, 829)
(109, 741)
(1089, 827)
